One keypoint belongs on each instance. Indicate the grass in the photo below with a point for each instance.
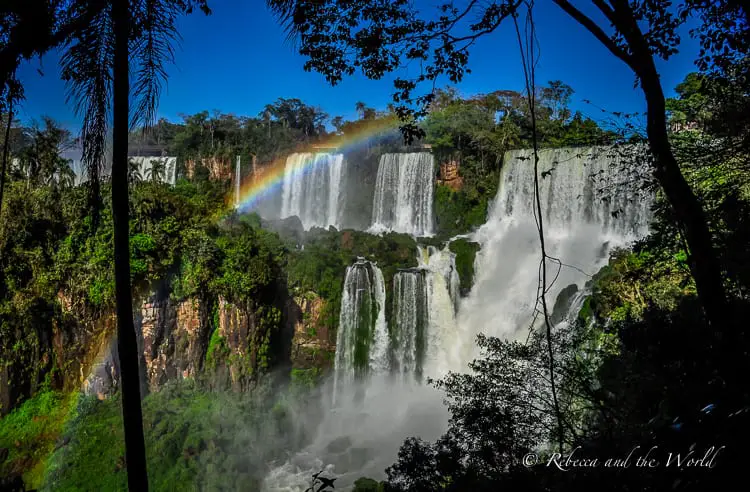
(30, 433)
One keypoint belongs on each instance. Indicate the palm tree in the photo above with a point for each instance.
(97, 67)
(66, 177)
(157, 171)
(134, 172)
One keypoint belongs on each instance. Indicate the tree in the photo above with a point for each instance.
(40, 157)
(359, 107)
(382, 37)
(337, 122)
(6, 146)
(295, 114)
(134, 172)
(157, 171)
(558, 93)
(97, 63)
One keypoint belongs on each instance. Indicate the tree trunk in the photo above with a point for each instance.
(135, 450)
(6, 148)
(704, 264)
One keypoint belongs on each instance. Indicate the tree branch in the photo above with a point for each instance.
(594, 29)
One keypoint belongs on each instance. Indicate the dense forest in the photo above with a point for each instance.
(236, 315)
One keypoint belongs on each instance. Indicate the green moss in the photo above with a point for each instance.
(466, 252)
(459, 212)
(305, 378)
(217, 350)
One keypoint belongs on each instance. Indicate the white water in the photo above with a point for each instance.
(580, 230)
(379, 348)
(587, 211)
(312, 188)
(404, 194)
(410, 309)
(441, 279)
(359, 336)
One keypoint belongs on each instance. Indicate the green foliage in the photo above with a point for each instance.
(465, 253)
(368, 485)
(462, 211)
(30, 432)
(277, 130)
(305, 379)
(195, 440)
(217, 350)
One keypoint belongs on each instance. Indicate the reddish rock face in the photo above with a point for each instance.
(218, 168)
(449, 175)
(174, 338)
(311, 344)
(347, 240)
(173, 341)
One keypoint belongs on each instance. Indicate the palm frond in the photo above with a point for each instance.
(285, 11)
(155, 33)
(87, 70)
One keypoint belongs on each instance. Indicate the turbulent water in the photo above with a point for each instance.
(312, 188)
(588, 209)
(403, 194)
(590, 206)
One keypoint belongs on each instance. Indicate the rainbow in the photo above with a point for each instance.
(253, 189)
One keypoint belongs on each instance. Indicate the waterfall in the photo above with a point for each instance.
(441, 282)
(237, 182)
(589, 206)
(361, 342)
(424, 306)
(403, 194)
(410, 316)
(312, 187)
(379, 349)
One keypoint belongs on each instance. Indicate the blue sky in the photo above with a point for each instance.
(238, 59)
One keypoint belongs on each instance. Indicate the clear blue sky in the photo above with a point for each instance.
(238, 59)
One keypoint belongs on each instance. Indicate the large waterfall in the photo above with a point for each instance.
(312, 188)
(403, 194)
(590, 206)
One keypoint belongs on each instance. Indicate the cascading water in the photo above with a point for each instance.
(361, 342)
(424, 307)
(403, 194)
(167, 174)
(370, 413)
(312, 187)
(441, 291)
(237, 180)
(590, 206)
(409, 320)
(581, 228)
